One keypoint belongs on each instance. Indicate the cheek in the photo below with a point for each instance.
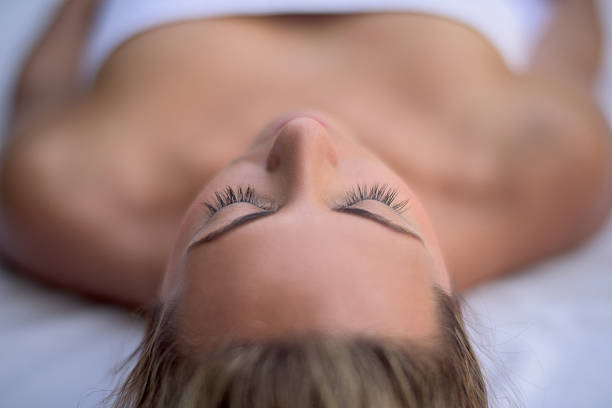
(191, 220)
(368, 171)
(423, 222)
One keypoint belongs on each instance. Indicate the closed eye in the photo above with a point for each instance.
(361, 192)
(377, 192)
(230, 196)
(245, 219)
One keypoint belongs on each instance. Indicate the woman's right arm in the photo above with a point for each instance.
(70, 209)
(49, 77)
(60, 218)
(47, 84)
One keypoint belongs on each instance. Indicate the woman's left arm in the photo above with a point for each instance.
(557, 102)
(554, 146)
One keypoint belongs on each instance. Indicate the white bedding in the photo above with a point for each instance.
(545, 335)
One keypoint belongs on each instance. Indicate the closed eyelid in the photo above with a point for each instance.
(230, 195)
(382, 220)
(237, 222)
(382, 193)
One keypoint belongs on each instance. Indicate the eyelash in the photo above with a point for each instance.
(230, 196)
(378, 192)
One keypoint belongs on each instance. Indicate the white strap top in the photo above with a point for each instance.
(510, 25)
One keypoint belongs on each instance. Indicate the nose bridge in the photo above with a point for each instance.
(306, 155)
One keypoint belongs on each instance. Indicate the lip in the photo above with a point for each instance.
(293, 117)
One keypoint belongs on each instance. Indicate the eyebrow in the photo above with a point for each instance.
(236, 223)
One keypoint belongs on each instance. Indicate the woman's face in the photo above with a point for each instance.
(307, 231)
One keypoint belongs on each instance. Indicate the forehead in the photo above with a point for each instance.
(326, 272)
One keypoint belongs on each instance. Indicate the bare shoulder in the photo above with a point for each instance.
(551, 150)
(570, 147)
(36, 186)
(64, 213)
(553, 145)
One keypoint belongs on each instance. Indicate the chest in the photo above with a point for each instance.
(203, 89)
(243, 71)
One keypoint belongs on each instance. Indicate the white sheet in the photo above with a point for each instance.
(545, 335)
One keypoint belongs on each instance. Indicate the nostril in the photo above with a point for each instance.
(272, 160)
(302, 140)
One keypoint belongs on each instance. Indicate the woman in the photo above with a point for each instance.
(320, 149)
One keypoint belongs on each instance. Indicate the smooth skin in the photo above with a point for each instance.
(297, 268)
(501, 169)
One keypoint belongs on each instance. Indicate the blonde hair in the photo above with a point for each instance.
(310, 371)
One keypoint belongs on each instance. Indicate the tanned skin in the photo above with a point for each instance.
(511, 167)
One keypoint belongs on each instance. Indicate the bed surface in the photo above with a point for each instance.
(544, 336)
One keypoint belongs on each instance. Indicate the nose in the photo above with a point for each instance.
(305, 154)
